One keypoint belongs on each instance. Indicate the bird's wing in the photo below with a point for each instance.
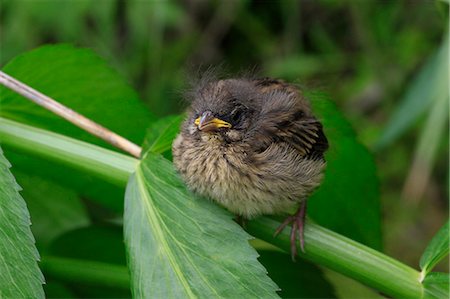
(296, 125)
(306, 136)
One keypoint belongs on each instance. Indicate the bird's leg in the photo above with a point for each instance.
(298, 227)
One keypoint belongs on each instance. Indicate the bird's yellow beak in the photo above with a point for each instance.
(207, 122)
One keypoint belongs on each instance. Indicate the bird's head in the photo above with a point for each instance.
(222, 110)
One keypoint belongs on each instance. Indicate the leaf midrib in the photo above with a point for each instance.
(182, 246)
(151, 217)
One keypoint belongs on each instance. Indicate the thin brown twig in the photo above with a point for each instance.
(70, 115)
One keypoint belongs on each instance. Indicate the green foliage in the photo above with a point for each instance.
(436, 250)
(20, 276)
(86, 165)
(161, 134)
(350, 172)
(179, 246)
(80, 260)
(305, 280)
(56, 213)
(87, 278)
(428, 87)
(322, 246)
(81, 80)
(436, 285)
(364, 53)
(346, 256)
(88, 243)
(346, 287)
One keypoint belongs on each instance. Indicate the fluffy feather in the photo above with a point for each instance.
(267, 162)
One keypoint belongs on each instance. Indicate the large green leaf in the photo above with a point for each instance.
(20, 276)
(436, 250)
(81, 80)
(183, 247)
(348, 199)
(84, 82)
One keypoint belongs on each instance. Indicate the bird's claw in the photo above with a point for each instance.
(298, 225)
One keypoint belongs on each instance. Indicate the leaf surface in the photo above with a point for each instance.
(347, 201)
(161, 134)
(436, 250)
(20, 276)
(84, 82)
(183, 247)
(81, 80)
(436, 286)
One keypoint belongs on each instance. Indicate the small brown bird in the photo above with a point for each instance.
(254, 147)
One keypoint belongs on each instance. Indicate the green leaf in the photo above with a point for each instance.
(436, 250)
(347, 201)
(20, 276)
(430, 84)
(436, 285)
(161, 134)
(81, 80)
(183, 247)
(303, 280)
(85, 83)
(54, 209)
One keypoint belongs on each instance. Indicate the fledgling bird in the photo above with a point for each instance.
(254, 147)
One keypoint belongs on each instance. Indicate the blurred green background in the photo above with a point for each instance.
(385, 63)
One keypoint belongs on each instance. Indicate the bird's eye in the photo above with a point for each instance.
(236, 115)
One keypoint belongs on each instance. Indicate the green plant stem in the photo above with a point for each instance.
(345, 256)
(85, 271)
(322, 246)
(105, 164)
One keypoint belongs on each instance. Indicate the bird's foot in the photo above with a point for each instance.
(298, 226)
